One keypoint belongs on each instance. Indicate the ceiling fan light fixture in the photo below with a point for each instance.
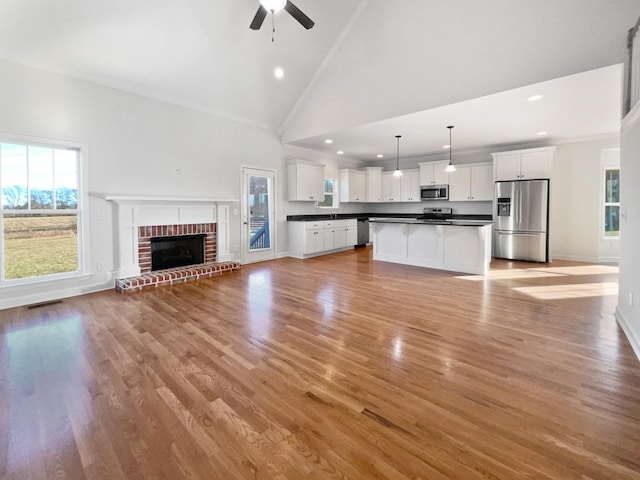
(273, 6)
(398, 172)
(450, 168)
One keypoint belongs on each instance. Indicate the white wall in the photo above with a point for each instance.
(575, 201)
(628, 315)
(134, 146)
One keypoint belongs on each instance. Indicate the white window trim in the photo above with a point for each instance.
(82, 211)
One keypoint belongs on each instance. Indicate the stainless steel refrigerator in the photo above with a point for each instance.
(521, 220)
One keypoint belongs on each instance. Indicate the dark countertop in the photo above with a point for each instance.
(419, 221)
(418, 217)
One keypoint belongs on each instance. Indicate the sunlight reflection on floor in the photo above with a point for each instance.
(510, 274)
(556, 292)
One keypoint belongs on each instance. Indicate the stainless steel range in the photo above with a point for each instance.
(436, 214)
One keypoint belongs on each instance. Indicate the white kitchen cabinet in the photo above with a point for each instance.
(373, 184)
(352, 232)
(527, 164)
(410, 186)
(471, 183)
(313, 240)
(305, 181)
(352, 185)
(340, 236)
(391, 187)
(432, 173)
(307, 239)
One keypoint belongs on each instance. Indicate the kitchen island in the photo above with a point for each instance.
(459, 246)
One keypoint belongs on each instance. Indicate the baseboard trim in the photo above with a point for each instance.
(54, 295)
(628, 331)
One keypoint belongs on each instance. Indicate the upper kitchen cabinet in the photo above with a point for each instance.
(523, 164)
(410, 186)
(352, 185)
(305, 181)
(472, 182)
(391, 187)
(374, 184)
(432, 173)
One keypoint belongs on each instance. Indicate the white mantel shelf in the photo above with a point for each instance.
(160, 199)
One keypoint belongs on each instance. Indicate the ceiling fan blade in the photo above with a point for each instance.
(296, 13)
(256, 23)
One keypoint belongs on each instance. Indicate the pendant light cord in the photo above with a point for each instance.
(450, 127)
(398, 152)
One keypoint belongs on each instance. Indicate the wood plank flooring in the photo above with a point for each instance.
(329, 368)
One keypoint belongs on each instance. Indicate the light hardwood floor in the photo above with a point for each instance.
(333, 367)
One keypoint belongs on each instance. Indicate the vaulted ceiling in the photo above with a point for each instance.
(366, 62)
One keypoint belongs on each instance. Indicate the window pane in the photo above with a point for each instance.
(259, 230)
(41, 177)
(13, 172)
(612, 221)
(327, 202)
(612, 186)
(37, 245)
(328, 186)
(66, 178)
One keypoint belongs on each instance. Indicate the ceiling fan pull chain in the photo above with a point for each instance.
(273, 28)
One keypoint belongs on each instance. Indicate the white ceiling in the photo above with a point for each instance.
(577, 106)
(201, 54)
(196, 53)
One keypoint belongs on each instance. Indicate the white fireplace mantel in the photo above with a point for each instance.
(138, 211)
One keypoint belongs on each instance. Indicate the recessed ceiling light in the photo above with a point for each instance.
(446, 146)
(328, 140)
(340, 152)
(534, 98)
(380, 155)
(541, 133)
(278, 72)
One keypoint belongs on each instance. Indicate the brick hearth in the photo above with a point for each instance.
(174, 275)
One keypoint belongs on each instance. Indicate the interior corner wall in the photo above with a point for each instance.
(575, 226)
(135, 144)
(628, 310)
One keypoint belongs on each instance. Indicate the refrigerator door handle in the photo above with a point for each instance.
(520, 234)
(519, 207)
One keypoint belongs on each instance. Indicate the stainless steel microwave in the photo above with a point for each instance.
(434, 192)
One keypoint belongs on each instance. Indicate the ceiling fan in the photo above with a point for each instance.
(274, 6)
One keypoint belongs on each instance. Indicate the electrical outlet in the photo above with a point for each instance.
(100, 267)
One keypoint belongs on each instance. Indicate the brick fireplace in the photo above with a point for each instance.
(139, 219)
(146, 233)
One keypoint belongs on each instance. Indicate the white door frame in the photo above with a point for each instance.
(264, 254)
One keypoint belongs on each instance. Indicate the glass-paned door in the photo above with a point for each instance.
(612, 202)
(258, 209)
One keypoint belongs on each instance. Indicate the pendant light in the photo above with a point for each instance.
(398, 172)
(450, 168)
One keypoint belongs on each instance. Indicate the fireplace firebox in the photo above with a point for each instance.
(177, 251)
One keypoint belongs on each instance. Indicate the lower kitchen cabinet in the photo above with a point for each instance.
(307, 239)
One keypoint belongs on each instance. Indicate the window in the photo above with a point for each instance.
(40, 211)
(330, 194)
(611, 202)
